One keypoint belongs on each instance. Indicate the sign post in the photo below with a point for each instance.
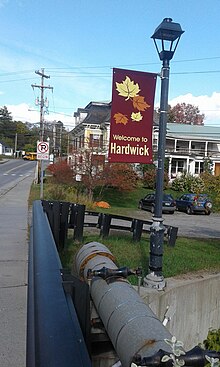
(42, 155)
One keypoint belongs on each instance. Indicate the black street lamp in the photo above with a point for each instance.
(167, 34)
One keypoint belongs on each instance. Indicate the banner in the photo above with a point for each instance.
(132, 116)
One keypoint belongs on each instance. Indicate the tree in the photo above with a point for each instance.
(184, 113)
(5, 115)
(121, 176)
(7, 127)
(62, 173)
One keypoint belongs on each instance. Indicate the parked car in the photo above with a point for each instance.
(193, 203)
(148, 203)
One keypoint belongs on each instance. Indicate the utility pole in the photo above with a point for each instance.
(16, 143)
(42, 87)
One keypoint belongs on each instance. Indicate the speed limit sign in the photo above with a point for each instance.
(43, 150)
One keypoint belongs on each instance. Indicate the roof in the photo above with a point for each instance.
(193, 132)
(97, 115)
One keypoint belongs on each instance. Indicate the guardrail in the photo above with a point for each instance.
(65, 215)
(54, 335)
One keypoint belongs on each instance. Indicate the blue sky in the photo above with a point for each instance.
(78, 42)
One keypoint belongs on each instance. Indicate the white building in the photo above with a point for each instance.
(187, 146)
(5, 150)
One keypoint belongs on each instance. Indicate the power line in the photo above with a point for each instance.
(110, 66)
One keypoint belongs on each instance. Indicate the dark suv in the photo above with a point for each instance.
(193, 203)
(148, 203)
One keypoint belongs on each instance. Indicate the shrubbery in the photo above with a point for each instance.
(212, 342)
(189, 183)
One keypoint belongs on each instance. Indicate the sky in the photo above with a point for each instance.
(78, 42)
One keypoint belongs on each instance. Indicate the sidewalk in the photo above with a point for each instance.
(13, 274)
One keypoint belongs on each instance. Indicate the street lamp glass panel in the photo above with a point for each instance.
(166, 38)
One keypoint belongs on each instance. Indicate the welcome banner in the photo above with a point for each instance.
(132, 116)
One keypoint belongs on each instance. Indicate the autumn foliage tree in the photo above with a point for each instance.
(184, 113)
(117, 175)
(62, 173)
(121, 176)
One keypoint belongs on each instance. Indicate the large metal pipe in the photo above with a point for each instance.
(131, 325)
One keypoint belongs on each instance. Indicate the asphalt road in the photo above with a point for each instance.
(14, 171)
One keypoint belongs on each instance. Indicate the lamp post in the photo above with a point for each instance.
(166, 38)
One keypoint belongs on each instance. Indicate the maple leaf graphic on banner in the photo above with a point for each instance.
(127, 88)
(140, 104)
(136, 116)
(120, 118)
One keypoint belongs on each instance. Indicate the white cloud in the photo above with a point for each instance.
(209, 105)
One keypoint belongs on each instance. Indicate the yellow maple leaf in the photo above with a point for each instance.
(140, 104)
(127, 88)
(136, 116)
(120, 118)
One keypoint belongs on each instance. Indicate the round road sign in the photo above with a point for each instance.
(43, 147)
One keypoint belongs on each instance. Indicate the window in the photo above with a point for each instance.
(199, 167)
(95, 141)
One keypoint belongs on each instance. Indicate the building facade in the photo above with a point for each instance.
(5, 150)
(188, 147)
(88, 140)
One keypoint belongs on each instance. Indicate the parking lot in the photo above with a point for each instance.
(195, 225)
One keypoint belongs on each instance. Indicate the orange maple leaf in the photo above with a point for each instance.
(139, 103)
(120, 118)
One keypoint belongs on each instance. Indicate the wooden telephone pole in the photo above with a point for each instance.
(42, 87)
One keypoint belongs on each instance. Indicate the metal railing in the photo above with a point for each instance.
(54, 335)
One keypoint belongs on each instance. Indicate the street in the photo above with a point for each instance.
(13, 171)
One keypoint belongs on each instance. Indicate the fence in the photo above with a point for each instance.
(64, 215)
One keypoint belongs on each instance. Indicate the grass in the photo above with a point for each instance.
(188, 255)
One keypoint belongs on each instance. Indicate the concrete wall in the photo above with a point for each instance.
(189, 306)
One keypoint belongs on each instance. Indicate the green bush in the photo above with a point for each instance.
(189, 183)
(212, 183)
(212, 342)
